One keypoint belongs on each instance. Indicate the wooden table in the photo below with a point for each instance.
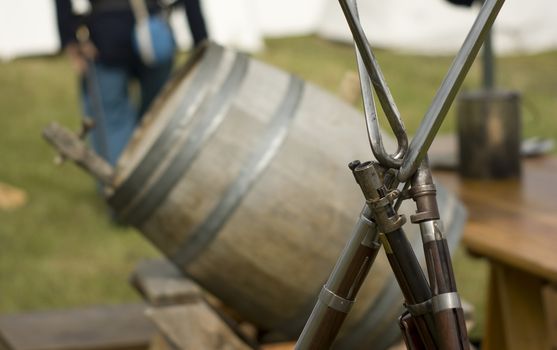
(514, 225)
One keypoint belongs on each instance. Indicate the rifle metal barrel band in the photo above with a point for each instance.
(431, 231)
(334, 301)
(367, 220)
(419, 309)
(371, 238)
(446, 301)
(422, 190)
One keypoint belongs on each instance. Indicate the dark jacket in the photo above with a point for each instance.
(462, 2)
(111, 23)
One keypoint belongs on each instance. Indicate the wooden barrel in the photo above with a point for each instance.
(238, 174)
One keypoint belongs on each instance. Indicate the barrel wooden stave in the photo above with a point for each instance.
(217, 165)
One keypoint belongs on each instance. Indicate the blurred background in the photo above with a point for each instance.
(59, 249)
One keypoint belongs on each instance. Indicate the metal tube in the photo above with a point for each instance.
(372, 124)
(370, 73)
(448, 90)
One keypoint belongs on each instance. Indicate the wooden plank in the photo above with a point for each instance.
(494, 337)
(160, 342)
(161, 283)
(69, 146)
(279, 346)
(195, 326)
(513, 222)
(121, 327)
(521, 309)
(550, 306)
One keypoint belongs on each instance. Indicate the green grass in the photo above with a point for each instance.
(60, 249)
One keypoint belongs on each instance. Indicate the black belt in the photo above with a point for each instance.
(98, 6)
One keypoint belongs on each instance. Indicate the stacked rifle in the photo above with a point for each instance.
(433, 316)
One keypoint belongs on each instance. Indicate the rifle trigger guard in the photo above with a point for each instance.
(334, 301)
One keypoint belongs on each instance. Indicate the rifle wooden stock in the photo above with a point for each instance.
(450, 322)
(329, 326)
(327, 330)
(410, 332)
(445, 304)
(343, 284)
(412, 282)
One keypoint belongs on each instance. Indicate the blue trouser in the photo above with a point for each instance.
(106, 100)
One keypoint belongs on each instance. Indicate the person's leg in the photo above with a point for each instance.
(151, 81)
(106, 101)
(196, 21)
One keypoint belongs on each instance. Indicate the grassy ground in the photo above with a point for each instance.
(59, 250)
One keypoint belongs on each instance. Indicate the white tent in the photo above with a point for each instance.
(244, 23)
(28, 27)
(437, 27)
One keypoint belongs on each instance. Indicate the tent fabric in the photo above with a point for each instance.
(244, 23)
(27, 28)
(436, 27)
(430, 27)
